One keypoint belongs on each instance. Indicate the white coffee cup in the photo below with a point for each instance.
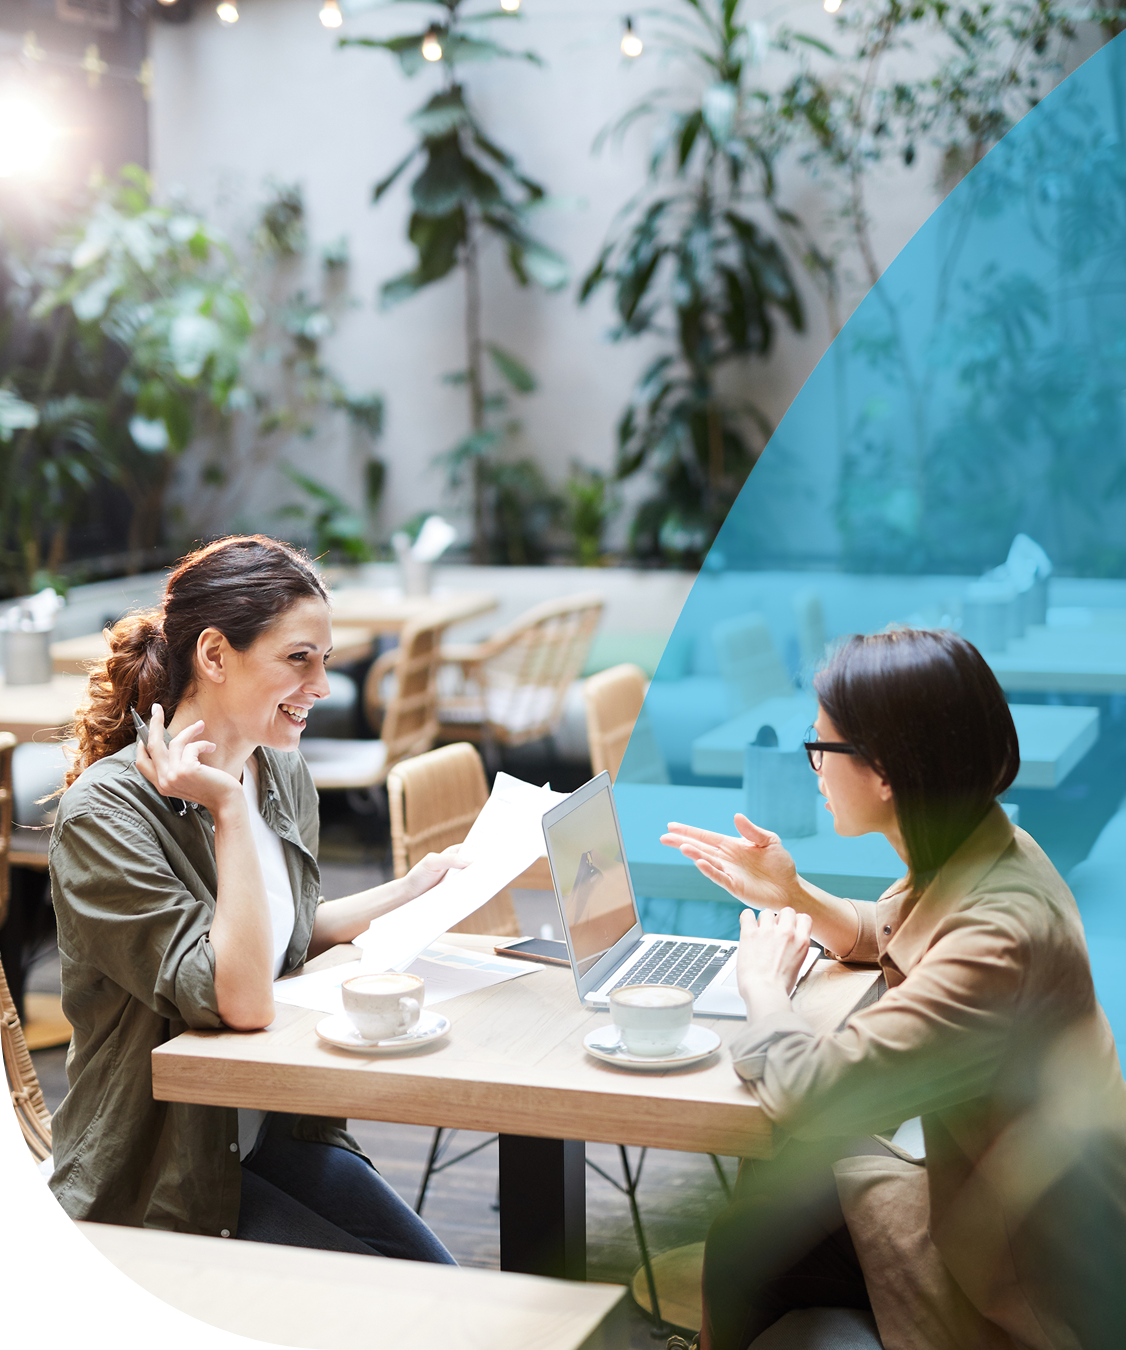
(653, 1018)
(380, 1006)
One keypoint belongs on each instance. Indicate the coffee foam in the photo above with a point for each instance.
(390, 983)
(652, 996)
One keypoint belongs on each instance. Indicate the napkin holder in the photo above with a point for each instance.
(779, 789)
(27, 656)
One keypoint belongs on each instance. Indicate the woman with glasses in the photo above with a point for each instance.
(1011, 1231)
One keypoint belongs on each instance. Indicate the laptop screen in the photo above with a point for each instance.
(591, 874)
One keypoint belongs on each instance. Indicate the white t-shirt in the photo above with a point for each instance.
(279, 897)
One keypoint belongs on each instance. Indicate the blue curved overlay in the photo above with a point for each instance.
(976, 395)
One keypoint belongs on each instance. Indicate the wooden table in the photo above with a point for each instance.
(1053, 739)
(29, 711)
(513, 1064)
(338, 1301)
(387, 611)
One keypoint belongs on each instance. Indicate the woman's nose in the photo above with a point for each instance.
(318, 686)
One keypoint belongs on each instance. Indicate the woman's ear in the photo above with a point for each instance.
(210, 653)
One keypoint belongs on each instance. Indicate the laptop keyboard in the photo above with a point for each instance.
(691, 965)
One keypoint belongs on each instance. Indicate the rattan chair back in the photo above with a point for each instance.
(434, 798)
(521, 674)
(410, 714)
(613, 700)
(27, 1096)
(7, 746)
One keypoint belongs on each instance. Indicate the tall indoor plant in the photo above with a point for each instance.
(470, 193)
(691, 261)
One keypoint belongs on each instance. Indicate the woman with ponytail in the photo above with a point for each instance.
(185, 881)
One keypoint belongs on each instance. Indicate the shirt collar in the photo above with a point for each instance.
(953, 881)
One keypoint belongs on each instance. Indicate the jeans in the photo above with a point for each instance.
(304, 1194)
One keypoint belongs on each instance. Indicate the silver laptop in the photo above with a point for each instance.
(596, 904)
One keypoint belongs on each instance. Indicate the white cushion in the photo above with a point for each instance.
(344, 764)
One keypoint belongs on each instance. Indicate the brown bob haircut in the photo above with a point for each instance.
(925, 711)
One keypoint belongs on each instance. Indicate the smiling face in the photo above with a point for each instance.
(859, 799)
(264, 693)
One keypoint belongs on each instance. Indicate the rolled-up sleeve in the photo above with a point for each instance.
(934, 1040)
(865, 950)
(119, 903)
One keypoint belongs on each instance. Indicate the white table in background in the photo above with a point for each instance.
(1053, 738)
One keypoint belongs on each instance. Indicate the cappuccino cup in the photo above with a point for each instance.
(380, 1006)
(653, 1019)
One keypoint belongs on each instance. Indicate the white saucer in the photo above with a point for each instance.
(337, 1030)
(605, 1043)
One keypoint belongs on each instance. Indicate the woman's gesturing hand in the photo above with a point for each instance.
(752, 865)
(175, 771)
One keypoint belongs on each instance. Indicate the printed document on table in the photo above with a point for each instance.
(448, 971)
(505, 839)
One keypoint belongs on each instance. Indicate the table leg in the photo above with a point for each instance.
(543, 1206)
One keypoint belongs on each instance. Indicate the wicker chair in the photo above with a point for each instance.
(433, 800)
(27, 1097)
(407, 721)
(749, 662)
(7, 746)
(512, 686)
(614, 700)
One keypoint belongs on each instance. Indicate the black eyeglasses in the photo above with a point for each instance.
(815, 749)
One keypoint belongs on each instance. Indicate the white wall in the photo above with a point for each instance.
(273, 97)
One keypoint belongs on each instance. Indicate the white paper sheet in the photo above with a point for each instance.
(448, 971)
(504, 840)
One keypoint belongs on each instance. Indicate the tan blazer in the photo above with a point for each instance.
(1013, 1233)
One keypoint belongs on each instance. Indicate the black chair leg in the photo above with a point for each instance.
(428, 1172)
(629, 1190)
(722, 1175)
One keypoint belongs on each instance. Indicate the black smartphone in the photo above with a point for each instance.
(537, 949)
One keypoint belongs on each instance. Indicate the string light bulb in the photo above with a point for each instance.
(831, 6)
(510, 6)
(227, 12)
(632, 45)
(330, 14)
(431, 46)
(27, 138)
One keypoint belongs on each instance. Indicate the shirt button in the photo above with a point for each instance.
(234, 1148)
(887, 927)
(225, 1232)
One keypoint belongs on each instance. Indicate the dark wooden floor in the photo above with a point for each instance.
(679, 1196)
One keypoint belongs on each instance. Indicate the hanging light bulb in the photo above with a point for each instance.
(330, 14)
(227, 12)
(431, 46)
(632, 44)
(831, 6)
(27, 138)
(510, 6)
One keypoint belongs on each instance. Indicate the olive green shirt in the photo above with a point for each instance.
(133, 881)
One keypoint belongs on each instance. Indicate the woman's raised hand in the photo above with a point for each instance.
(175, 771)
(752, 865)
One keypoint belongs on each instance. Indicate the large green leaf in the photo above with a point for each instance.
(444, 113)
(515, 372)
(384, 183)
(450, 179)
